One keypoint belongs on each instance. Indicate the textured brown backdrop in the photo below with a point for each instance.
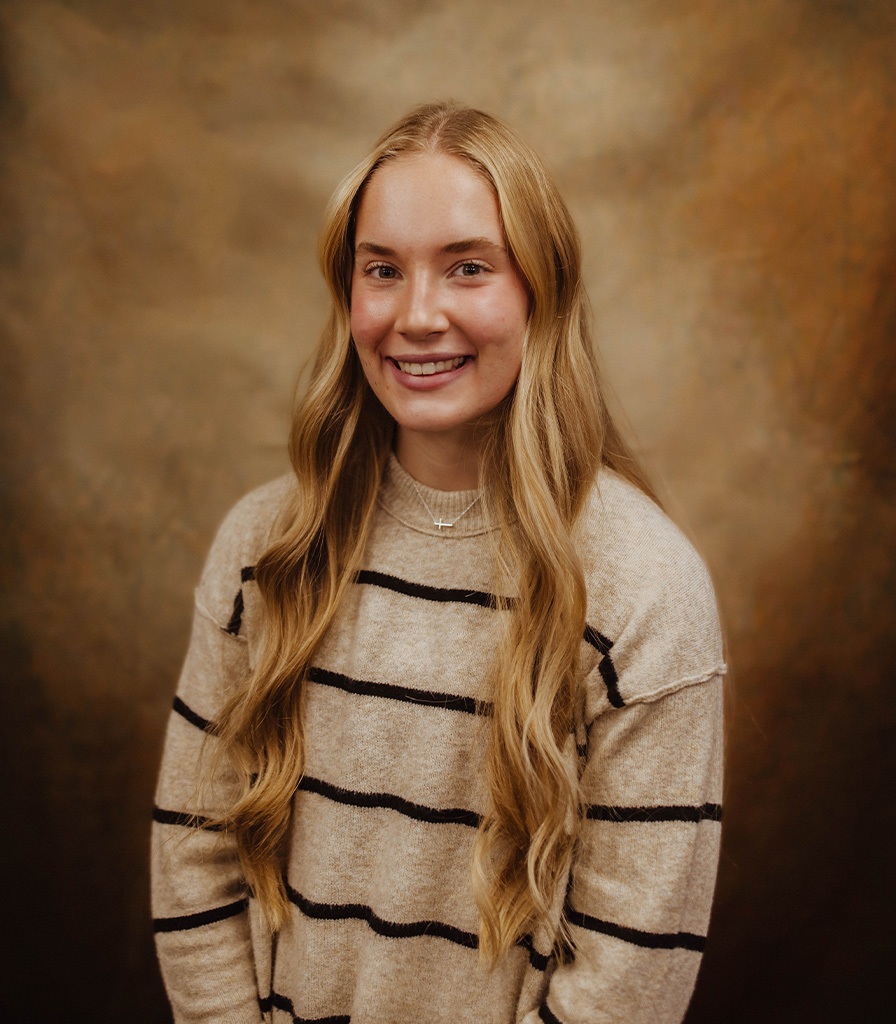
(732, 167)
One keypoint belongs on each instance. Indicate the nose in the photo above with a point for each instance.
(421, 313)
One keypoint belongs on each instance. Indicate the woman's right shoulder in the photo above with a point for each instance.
(248, 530)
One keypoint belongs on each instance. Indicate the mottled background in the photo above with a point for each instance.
(732, 166)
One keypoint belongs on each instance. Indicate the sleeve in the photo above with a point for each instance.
(199, 895)
(642, 882)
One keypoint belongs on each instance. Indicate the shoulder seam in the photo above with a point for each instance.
(682, 683)
(222, 627)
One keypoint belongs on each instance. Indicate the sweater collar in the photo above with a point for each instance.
(400, 498)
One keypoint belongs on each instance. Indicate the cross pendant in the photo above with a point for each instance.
(441, 523)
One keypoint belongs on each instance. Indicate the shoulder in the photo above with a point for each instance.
(649, 593)
(246, 532)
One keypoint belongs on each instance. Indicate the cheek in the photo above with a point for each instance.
(366, 323)
(504, 314)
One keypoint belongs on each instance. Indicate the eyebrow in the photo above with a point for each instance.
(461, 246)
(466, 244)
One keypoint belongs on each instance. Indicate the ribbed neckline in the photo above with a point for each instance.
(399, 498)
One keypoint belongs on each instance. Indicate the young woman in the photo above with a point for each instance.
(447, 742)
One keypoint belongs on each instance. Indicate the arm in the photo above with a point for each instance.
(644, 873)
(199, 895)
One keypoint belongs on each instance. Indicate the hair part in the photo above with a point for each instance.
(545, 443)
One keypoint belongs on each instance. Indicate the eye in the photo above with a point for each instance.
(381, 272)
(470, 268)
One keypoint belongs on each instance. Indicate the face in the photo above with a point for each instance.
(439, 309)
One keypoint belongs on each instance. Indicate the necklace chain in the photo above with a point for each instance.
(440, 522)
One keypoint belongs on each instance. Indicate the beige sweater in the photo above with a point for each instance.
(383, 926)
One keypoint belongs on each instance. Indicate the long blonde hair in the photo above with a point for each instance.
(546, 440)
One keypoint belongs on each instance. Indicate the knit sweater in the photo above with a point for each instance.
(383, 927)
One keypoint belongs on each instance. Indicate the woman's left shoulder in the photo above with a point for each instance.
(649, 592)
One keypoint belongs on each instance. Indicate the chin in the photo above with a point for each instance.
(432, 421)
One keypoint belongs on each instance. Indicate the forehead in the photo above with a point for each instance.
(428, 195)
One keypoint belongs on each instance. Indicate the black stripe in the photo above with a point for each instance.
(650, 940)
(442, 594)
(545, 1014)
(389, 929)
(606, 668)
(611, 680)
(187, 712)
(236, 618)
(394, 930)
(708, 812)
(187, 921)
(181, 818)
(597, 640)
(435, 815)
(432, 698)
(279, 1002)
(538, 960)
(247, 573)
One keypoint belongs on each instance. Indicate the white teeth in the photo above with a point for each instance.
(428, 369)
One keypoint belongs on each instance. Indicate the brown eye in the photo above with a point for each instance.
(382, 272)
(470, 269)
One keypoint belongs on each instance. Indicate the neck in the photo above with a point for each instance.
(445, 463)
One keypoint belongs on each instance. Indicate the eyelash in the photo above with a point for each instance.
(370, 271)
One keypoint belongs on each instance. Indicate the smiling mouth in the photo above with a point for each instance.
(428, 369)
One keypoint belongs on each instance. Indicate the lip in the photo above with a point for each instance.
(434, 380)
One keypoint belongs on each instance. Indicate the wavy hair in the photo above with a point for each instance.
(546, 440)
